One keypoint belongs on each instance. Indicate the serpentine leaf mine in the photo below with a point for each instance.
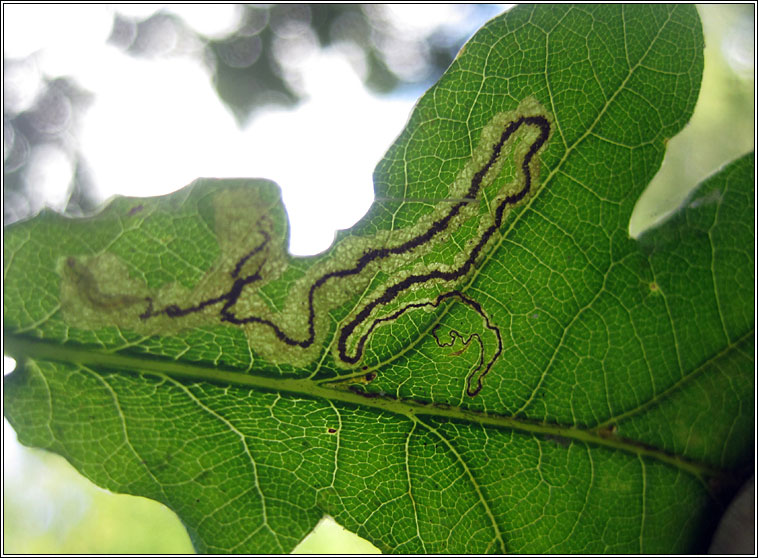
(502, 173)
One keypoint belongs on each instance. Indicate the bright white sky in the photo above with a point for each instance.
(157, 125)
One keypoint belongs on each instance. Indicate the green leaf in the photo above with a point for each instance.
(486, 362)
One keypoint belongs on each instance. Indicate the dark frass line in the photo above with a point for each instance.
(231, 297)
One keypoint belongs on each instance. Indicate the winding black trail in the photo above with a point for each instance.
(230, 297)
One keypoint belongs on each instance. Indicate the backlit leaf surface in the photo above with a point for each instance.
(486, 362)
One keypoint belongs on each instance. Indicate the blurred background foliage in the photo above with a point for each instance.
(256, 63)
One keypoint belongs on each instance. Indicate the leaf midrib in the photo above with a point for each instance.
(23, 348)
